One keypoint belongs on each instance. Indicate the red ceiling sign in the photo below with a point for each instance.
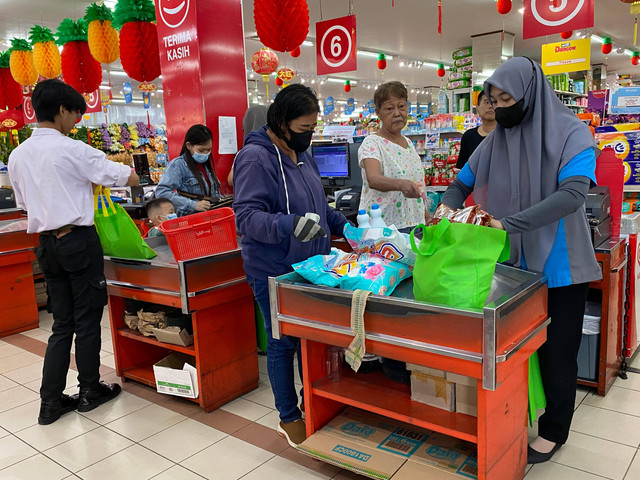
(93, 101)
(336, 45)
(27, 110)
(547, 17)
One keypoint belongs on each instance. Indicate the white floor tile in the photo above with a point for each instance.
(264, 378)
(109, 361)
(6, 384)
(107, 345)
(18, 360)
(122, 405)
(279, 468)
(634, 470)
(72, 381)
(183, 440)
(262, 364)
(262, 395)
(632, 382)
(145, 422)
(581, 393)
(14, 397)
(87, 449)
(20, 417)
(3, 432)
(7, 350)
(46, 321)
(69, 426)
(38, 334)
(228, 459)
(555, 471)
(595, 455)
(177, 473)
(270, 420)
(33, 468)
(26, 374)
(617, 399)
(13, 451)
(606, 424)
(135, 461)
(246, 409)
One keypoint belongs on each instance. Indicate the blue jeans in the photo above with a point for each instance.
(280, 354)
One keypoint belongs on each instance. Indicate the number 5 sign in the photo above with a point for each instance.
(336, 45)
(546, 17)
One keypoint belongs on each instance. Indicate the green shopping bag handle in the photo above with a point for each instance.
(439, 230)
(106, 200)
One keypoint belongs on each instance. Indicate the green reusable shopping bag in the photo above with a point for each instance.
(456, 262)
(119, 236)
(537, 399)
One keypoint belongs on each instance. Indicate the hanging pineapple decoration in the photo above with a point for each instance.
(46, 56)
(139, 51)
(10, 90)
(79, 68)
(21, 62)
(103, 38)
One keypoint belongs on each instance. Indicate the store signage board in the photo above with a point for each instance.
(27, 110)
(625, 100)
(93, 101)
(598, 99)
(336, 45)
(567, 56)
(339, 131)
(547, 17)
(180, 65)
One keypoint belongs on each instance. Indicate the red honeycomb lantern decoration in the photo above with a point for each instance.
(504, 6)
(281, 24)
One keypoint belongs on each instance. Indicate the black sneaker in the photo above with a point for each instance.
(91, 398)
(52, 411)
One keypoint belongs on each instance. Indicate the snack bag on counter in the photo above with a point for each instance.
(354, 271)
(472, 215)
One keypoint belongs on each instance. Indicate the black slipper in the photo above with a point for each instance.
(534, 456)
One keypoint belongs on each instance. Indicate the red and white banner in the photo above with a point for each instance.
(547, 17)
(28, 112)
(336, 45)
(93, 101)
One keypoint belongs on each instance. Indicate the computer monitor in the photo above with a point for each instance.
(333, 162)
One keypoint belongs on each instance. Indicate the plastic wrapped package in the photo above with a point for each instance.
(461, 53)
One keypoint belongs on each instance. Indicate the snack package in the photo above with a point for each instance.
(354, 271)
(461, 62)
(386, 242)
(459, 76)
(458, 84)
(461, 53)
(465, 68)
(472, 215)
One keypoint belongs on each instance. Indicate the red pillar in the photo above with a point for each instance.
(203, 70)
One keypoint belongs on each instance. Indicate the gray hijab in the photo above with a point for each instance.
(254, 118)
(518, 167)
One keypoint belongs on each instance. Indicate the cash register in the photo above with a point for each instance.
(598, 206)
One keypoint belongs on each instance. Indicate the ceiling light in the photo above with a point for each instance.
(252, 75)
(158, 105)
(160, 90)
(521, 10)
(307, 43)
(503, 57)
(105, 87)
(341, 80)
(367, 54)
(597, 38)
(430, 64)
(313, 81)
(321, 82)
(628, 52)
(401, 63)
(302, 80)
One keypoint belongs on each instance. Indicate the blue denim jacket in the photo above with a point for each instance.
(177, 176)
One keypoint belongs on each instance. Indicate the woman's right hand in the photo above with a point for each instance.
(203, 206)
(410, 189)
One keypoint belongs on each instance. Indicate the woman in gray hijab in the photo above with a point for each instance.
(254, 118)
(532, 173)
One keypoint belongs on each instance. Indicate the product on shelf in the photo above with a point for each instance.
(461, 53)
(458, 84)
(460, 76)
(461, 62)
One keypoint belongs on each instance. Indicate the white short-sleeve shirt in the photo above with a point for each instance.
(398, 163)
(51, 175)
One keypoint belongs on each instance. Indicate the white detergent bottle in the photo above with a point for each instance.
(376, 217)
(363, 219)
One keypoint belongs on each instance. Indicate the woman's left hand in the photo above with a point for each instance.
(496, 224)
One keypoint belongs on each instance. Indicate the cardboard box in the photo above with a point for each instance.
(449, 454)
(412, 470)
(434, 391)
(467, 400)
(434, 372)
(173, 335)
(176, 375)
(461, 379)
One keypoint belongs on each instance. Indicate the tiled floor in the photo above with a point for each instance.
(144, 435)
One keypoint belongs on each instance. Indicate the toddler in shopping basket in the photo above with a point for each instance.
(158, 211)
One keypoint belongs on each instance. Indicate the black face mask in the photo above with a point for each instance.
(299, 142)
(509, 117)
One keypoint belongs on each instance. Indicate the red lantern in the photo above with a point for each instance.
(79, 68)
(607, 46)
(286, 74)
(347, 86)
(504, 6)
(281, 24)
(10, 90)
(11, 120)
(295, 53)
(566, 35)
(382, 61)
(441, 71)
(264, 62)
(635, 60)
(279, 82)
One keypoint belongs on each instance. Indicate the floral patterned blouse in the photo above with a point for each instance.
(399, 163)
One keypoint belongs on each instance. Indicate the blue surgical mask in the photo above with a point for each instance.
(200, 157)
(171, 216)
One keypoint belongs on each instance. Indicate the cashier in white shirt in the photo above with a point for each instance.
(52, 176)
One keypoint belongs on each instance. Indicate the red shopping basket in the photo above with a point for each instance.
(201, 234)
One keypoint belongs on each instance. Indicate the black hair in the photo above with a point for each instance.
(197, 135)
(50, 95)
(155, 205)
(480, 95)
(295, 101)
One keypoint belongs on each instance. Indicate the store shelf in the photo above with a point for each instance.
(128, 333)
(376, 393)
(574, 106)
(439, 188)
(570, 94)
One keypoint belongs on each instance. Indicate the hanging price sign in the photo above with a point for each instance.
(336, 45)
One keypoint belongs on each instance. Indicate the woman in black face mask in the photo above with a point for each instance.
(284, 218)
(532, 173)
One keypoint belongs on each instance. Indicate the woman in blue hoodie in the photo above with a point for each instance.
(277, 186)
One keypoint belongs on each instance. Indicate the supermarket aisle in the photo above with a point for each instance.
(143, 435)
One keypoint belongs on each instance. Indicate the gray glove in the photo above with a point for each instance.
(306, 229)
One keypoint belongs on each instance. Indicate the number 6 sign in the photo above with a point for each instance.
(336, 45)
(546, 17)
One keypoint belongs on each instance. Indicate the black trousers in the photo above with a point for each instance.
(558, 360)
(73, 267)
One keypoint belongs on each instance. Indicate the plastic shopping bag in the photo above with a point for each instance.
(119, 236)
(537, 399)
(387, 242)
(456, 263)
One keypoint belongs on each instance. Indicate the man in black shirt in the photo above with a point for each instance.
(472, 137)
